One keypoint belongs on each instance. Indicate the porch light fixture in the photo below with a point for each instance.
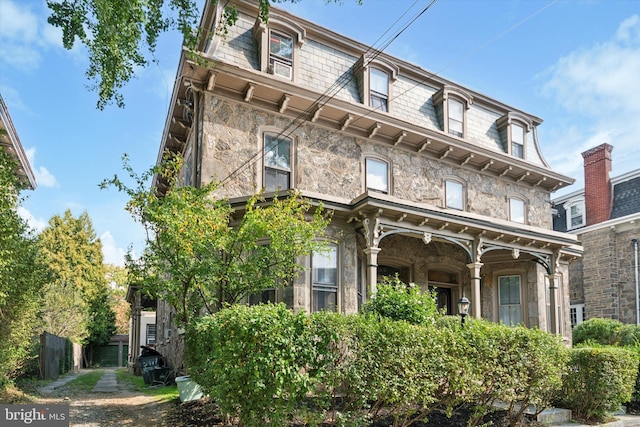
(463, 308)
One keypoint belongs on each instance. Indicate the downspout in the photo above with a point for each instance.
(635, 268)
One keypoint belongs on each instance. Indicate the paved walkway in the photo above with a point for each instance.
(49, 388)
(107, 382)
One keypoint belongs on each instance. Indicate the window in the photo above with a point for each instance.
(454, 194)
(264, 297)
(575, 217)
(516, 210)
(379, 93)
(325, 280)
(576, 312)
(151, 334)
(280, 54)
(277, 163)
(377, 175)
(456, 117)
(517, 141)
(509, 296)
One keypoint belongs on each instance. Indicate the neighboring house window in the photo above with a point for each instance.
(456, 117)
(576, 312)
(510, 300)
(377, 175)
(379, 90)
(151, 334)
(517, 141)
(325, 279)
(277, 163)
(454, 194)
(281, 54)
(516, 210)
(264, 297)
(575, 215)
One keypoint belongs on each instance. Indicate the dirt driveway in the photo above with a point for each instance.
(122, 405)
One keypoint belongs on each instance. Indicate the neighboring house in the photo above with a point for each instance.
(10, 142)
(425, 178)
(142, 326)
(605, 215)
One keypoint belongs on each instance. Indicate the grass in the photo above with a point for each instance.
(86, 382)
(10, 394)
(168, 392)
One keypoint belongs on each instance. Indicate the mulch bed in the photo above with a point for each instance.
(204, 412)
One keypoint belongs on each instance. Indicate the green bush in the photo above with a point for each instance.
(252, 361)
(598, 381)
(398, 301)
(515, 365)
(600, 331)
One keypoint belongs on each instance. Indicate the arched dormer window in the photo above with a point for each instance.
(279, 45)
(514, 130)
(375, 78)
(451, 105)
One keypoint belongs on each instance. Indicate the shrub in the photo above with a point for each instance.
(600, 331)
(515, 365)
(252, 360)
(608, 374)
(398, 301)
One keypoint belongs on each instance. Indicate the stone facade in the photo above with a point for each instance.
(222, 114)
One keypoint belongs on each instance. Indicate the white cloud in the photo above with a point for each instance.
(112, 254)
(44, 178)
(36, 224)
(598, 88)
(17, 22)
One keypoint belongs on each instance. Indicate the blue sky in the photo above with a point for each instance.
(573, 63)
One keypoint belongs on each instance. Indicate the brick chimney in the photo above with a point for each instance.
(597, 184)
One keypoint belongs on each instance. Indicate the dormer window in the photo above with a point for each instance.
(456, 117)
(451, 106)
(375, 77)
(514, 129)
(280, 54)
(379, 90)
(575, 214)
(517, 141)
(279, 45)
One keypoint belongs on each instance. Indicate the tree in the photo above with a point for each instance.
(21, 276)
(76, 300)
(201, 254)
(122, 36)
(117, 280)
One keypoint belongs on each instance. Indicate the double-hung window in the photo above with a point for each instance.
(509, 294)
(379, 90)
(151, 334)
(517, 141)
(576, 215)
(377, 175)
(281, 54)
(456, 117)
(325, 279)
(277, 163)
(516, 210)
(454, 194)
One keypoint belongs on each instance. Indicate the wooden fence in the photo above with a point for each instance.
(58, 356)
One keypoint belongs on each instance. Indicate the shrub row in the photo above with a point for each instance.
(262, 363)
(606, 332)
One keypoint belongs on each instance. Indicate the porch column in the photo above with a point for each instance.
(554, 324)
(372, 270)
(474, 269)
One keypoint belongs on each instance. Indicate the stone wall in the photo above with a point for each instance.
(329, 162)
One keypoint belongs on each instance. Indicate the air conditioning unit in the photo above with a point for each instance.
(280, 69)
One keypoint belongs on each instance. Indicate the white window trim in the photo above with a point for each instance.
(338, 287)
(568, 205)
(524, 208)
(523, 297)
(580, 314)
(507, 121)
(463, 193)
(263, 132)
(285, 27)
(441, 99)
(389, 174)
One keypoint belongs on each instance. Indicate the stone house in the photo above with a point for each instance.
(425, 178)
(605, 215)
(10, 143)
